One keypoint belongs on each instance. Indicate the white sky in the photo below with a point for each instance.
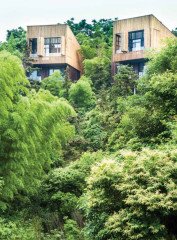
(15, 13)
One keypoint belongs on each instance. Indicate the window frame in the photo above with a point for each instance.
(31, 46)
(53, 44)
(118, 40)
(132, 38)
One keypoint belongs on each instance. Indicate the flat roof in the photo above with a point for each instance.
(48, 25)
(148, 15)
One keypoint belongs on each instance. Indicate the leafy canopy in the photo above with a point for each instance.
(133, 197)
(33, 127)
(81, 94)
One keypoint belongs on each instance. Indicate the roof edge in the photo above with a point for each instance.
(48, 25)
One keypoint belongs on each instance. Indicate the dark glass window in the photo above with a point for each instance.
(136, 40)
(33, 45)
(118, 43)
(52, 45)
(38, 72)
(139, 68)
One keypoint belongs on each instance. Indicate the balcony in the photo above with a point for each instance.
(52, 58)
(127, 56)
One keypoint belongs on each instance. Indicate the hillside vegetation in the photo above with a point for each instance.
(88, 160)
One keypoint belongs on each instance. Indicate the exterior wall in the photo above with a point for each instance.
(154, 33)
(65, 69)
(159, 33)
(124, 27)
(72, 73)
(73, 57)
(41, 32)
(69, 45)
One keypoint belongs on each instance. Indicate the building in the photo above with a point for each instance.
(52, 48)
(132, 37)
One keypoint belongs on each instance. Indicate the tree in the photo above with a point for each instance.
(98, 70)
(55, 84)
(95, 38)
(145, 118)
(125, 81)
(33, 128)
(62, 190)
(133, 197)
(11, 230)
(102, 27)
(81, 94)
(94, 129)
(15, 42)
(165, 60)
(19, 35)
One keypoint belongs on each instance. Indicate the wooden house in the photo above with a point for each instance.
(132, 37)
(52, 48)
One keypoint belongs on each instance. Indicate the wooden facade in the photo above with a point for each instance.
(67, 56)
(154, 34)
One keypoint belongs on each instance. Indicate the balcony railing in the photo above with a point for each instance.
(126, 56)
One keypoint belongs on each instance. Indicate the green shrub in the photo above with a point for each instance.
(98, 70)
(133, 197)
(81, 94)
(55, 84)
(14, 230)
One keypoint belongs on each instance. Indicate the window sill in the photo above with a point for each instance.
(33, 55)
(53, 55)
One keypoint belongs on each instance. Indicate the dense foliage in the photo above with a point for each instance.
(133, 197)
(95, 37)
(92, 159)
(15, 42)
(81, 94)
(33, 127)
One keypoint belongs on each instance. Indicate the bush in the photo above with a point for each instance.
(54, 84)
(11, 230)
(125, 82)
(98, 70)
(133, 197)
(63, 188)
(81, 94)
(72, 231)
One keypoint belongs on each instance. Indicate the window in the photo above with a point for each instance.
(51, 71)
(139, 68)
(52, 45)
(136, 40)
(35, 75)
(118, 43)
(33, 45)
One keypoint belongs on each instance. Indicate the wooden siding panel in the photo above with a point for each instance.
(73, 48)
(129, 56)
(154, 34)
(69, 45)
(159, 33)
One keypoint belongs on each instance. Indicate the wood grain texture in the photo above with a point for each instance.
(154, 35)
(69, 45)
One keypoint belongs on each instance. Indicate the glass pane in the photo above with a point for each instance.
(141, 67)
(51, 71)
(46, 40)
(33, 45)
(139, 34)
(52, 40)
(136, 45)
(133, 35)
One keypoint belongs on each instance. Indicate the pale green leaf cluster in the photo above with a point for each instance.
(133, 197)
(33, 127)
(81, 94)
